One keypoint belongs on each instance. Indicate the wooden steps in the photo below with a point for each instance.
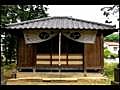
(38, 79)
(50, 81)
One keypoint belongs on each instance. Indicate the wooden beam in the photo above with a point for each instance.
(67, 47)
(51, 52)
(84, 59)
(102, 52)
(34, 52)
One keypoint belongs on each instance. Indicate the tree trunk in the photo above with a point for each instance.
(6, 60)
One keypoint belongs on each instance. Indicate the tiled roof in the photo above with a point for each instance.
(112, 43)
(59, 23)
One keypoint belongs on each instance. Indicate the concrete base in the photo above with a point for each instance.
(52, 77)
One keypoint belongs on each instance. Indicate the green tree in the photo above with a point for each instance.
(109, 12)
(13, 13)
(112, 37)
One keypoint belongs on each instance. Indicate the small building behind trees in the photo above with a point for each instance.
(112, 46)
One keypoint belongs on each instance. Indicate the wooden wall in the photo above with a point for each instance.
(93, 54)
(26, 54)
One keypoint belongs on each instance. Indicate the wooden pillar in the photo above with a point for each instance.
(51, 46)
(34, 69)
(59, 50)
(102, 52)
(85, 61)
(17, 52)
(67, 47)
(34, 47)
(51, 52)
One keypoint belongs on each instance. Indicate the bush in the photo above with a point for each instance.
(107, 53)
(109, 70)
(8, 70)
(113, 56)
(10, 66)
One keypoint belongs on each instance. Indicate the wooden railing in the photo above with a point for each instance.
(66, 59)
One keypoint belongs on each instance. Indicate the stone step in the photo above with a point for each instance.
(52, 75)
(40, 79)
(60, 79)
(45, 78)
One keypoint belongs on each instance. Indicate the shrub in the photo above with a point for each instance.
(107, 53)
(113, 56)
(8, 70)
(109, 70)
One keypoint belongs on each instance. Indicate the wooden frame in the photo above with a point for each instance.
(87, 57)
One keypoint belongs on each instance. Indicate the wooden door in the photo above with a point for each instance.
(75, 52)
(71, 54)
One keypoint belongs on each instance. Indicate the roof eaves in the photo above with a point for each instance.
(28, 21)
(46, 18)
(112, 26)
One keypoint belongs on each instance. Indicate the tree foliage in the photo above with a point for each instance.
(9, 48)
(13, 13)
(108, 54)
(110, 11)
(112, 37)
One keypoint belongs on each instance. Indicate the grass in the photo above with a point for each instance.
(8, 70)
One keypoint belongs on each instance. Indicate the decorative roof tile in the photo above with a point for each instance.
(58, 23)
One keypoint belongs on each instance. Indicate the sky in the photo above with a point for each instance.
(85, 12)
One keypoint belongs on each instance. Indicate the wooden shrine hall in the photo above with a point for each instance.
(60, 43)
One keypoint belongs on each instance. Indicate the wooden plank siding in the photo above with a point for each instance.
(93, 54)
(26, 54)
